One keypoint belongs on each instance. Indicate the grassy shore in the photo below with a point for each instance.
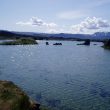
(21, 41)
(13, 98)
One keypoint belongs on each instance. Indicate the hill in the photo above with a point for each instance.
(98, 36)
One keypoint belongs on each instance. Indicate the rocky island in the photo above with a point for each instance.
(87, 42)
(13, 98)
(20, 41)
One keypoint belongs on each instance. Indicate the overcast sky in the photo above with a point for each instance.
(55, 16)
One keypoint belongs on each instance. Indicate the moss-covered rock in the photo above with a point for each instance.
(13, 98)
(21, 41)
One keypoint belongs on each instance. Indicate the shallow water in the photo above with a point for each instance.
(67, 77)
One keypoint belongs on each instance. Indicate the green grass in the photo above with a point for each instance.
(21, 103)
(21, 41)
(13, 98)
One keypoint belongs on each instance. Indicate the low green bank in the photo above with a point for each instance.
(21, 41)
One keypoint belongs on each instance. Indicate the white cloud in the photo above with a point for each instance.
(52, 31)
(70, 15)
(50, 25)
(91, 24)
(23, 23)
(34, 21)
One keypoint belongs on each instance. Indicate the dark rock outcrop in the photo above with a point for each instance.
(47, 43)
(57, 44)
(87, 42)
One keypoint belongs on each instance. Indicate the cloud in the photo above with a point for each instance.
(35, 21)
(91, 24)
(23, 23)
(88, 25)
(70, 15)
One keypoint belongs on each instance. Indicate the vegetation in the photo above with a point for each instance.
(106, 44)
(13, 98)
(21, 41)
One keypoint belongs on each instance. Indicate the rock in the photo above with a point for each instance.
(13, 98)
(94, 44)
(57, 44)
(87, 42)
(47, 43)
(35, 106)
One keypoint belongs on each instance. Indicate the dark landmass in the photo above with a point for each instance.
(87, 42)
(13, 98)
(106, 44)
(99, 36)
(20, 41)
(16, 35)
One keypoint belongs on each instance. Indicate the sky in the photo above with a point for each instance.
(55, 16)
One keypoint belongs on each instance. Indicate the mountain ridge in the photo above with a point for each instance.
(4, 34)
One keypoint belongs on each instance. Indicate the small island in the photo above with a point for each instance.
(21, 41)
(57, 44)
(87, 42)
(13, 98)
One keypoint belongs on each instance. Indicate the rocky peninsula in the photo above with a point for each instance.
(13, 98)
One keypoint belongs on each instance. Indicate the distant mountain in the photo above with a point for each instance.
(101, 35)
(4, 34)
(65, 35)
(13, 34)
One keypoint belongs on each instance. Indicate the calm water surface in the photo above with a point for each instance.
(67, 77)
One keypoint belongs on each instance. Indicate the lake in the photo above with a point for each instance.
(67, 77)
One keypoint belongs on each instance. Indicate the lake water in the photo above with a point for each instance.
(67, 77)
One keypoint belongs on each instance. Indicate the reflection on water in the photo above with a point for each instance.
(67, 77)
